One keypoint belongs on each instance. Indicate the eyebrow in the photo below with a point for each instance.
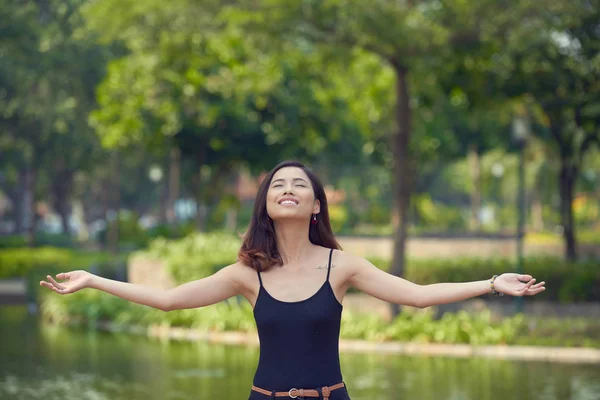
(295, 179)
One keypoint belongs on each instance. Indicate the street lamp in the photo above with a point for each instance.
(521, 133)
(497, 173)
(155, 173)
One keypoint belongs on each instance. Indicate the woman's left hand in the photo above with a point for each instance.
(518, 285)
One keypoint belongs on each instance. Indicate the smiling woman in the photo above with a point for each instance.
(291, 269)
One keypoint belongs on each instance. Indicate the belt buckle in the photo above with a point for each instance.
(290, 393)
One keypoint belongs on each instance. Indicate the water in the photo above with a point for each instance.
(39, 361)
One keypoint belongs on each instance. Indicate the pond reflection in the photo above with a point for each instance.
(39, 361)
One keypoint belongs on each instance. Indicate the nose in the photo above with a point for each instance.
(289, 189)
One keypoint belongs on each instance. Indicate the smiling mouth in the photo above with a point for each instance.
(288, 203)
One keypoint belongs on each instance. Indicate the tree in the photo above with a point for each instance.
(47, 87)
(409, 36)
(212, 92)
(555, 60)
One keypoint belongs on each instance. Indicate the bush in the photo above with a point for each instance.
(195, 256)
(338, 217)
(131, 234)
(89, 307)
(18, 262)
(438, 215)
(422, 327)
(171, 231)
(41, 240)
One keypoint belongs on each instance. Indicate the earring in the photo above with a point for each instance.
(314, 219)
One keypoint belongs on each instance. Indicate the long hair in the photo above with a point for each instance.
(259, 247)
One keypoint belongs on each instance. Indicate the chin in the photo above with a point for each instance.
(282, 217)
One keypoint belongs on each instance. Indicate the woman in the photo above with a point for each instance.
(292, 271)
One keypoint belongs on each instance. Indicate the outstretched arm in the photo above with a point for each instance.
(199, 293)
(371, 280)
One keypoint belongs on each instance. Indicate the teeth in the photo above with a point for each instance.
(288, 202)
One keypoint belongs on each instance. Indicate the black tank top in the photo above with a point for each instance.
(298, 340)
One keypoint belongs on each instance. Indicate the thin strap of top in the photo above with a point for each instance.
(329, 265)
(328, 269)
(259, 278)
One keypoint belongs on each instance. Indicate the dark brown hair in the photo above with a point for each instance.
(259, 247)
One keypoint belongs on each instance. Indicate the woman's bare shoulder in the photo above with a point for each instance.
(346, 262)
(240, 273)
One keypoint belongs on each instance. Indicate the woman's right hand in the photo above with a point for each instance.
(73, 281)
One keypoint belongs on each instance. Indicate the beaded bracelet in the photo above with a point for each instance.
(492, 287)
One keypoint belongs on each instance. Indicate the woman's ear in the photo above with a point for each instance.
(317, 207)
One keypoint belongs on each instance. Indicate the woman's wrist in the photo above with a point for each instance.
(93, 281)
(492, 288)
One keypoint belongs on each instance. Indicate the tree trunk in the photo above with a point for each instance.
(173, 189)
(114, 198)
(62, 189)
(567, 178)
(198, 188)
(401, 181)
(163, 193)
(19, 202)
(475, 172)
(537, 210)
(30, 201)
(79, 214)
(200, 206)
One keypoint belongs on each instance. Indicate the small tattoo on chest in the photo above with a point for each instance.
(325, 266)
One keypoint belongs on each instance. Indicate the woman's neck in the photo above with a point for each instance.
(292, 241)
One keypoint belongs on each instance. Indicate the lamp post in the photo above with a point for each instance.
(155, 174)
(520, 130)
(497, 172)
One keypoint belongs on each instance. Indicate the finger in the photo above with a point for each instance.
(46, 284)
(58, 290)
(63, 275)
(525, 278)
(532, 292)
(527, 285)
(538, 285)
(58, 285)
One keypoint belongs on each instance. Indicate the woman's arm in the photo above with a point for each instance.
(199, 293)
(369, 279)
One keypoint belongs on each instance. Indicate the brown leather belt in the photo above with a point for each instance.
(301, 393)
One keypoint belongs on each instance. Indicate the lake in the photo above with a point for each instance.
(41, 361)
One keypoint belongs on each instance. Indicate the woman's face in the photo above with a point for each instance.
(291, 196)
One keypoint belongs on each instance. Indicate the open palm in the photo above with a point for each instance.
(518, 285)
(72, 282)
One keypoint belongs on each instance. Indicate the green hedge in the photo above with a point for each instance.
(17, 262)
(565, 281)
(41, 239)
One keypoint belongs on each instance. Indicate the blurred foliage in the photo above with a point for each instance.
(437, 216)
(131, 233)
(239, 86)
(566, 281)
(338, 216)
(88, 308)
(200, 255)
(41, 240)
(195, 256)
(18, 262)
